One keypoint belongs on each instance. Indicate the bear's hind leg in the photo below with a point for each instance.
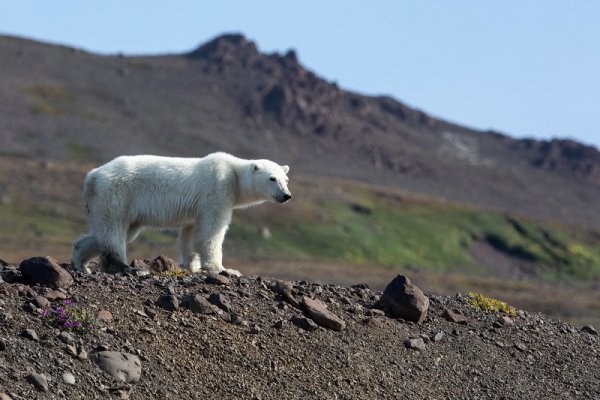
(84, 249)
(114, 251)
(190, 259)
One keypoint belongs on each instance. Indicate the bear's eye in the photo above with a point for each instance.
(273, 179)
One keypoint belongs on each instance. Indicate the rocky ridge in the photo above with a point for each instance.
(168, 335)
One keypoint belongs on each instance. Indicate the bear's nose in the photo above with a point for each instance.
(286, 197)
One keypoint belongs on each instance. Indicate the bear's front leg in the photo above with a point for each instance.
(190, 260)
(211, 230)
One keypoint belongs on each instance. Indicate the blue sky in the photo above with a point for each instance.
(525, 68)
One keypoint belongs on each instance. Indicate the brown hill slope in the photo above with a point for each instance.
(248, 346)
(60, 103)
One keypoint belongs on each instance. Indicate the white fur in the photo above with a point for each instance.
(196, 195)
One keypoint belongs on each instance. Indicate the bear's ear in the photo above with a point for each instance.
(286, 169)
(255, 167)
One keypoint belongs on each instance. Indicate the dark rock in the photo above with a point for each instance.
(45, 271)
(321, 315)
(589, 329)
(402, 299)
(254, 328)
(30, 334)
(39, 381)
(279, 324)
(168, 301)
(305, 323)
(2, 345)
(139, 264)
(281, 287)
(197, 304)
(454, 316)
(217, 279)
(123, 367)
(220, 301)
(415, 343)
(503, 321)
(151, 312)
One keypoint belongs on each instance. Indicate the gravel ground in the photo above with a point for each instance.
(245, 346)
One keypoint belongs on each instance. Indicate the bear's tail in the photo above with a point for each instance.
(89, 188)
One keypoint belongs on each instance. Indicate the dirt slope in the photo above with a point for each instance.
(253, 351)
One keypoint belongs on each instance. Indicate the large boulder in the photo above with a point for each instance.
(45, 271)
(402, 299)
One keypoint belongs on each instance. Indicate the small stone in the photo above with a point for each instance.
(83, 355)
(2, 345)
(164, 263)
(321, 315)
(168, 301)
(68, 378)
(151, 312)
(438, 336)
(105, 316)
(281, 287)
(425, 338)
(305, 323)
(279, 324)
(454, 316)
(30, 308)
(217, 279)
(197, 304)
(30, 334)
(4, 396)
(39, 381)
(65, 337)
(220, 301)
(589, 329)
(254, 328)
(54, 295)
(520, 346)
(41, 302)
(503, 321)
(71, 350)
(415, 343)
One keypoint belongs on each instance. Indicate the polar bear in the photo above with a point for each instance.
(196, 195)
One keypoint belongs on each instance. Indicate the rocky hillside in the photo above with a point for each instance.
(59, 103)
(168, 335)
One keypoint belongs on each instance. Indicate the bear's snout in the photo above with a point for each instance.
(284, 197)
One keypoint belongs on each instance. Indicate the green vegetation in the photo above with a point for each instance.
(490, 304)
(364, 227)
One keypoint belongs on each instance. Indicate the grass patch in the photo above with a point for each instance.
(490, 304)
(360, 226)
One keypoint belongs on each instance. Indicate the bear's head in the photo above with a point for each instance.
(270, 180)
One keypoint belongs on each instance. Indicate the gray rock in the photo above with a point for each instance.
(123, 367)
(305, 323)
(415, 344)
(164, 263)
(54, 295)
(65, 337)
(45, 271)
(41, 302)
(438, 336)
(503, 321)
(169, 302)
(197, 304)
(402, 299)
(68, 378)
(30, 334)
(589, 329)
(321, 315)
(220, 301)
(39, 381)
(281, 287)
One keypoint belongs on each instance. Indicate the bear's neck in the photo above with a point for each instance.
(245, 194)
